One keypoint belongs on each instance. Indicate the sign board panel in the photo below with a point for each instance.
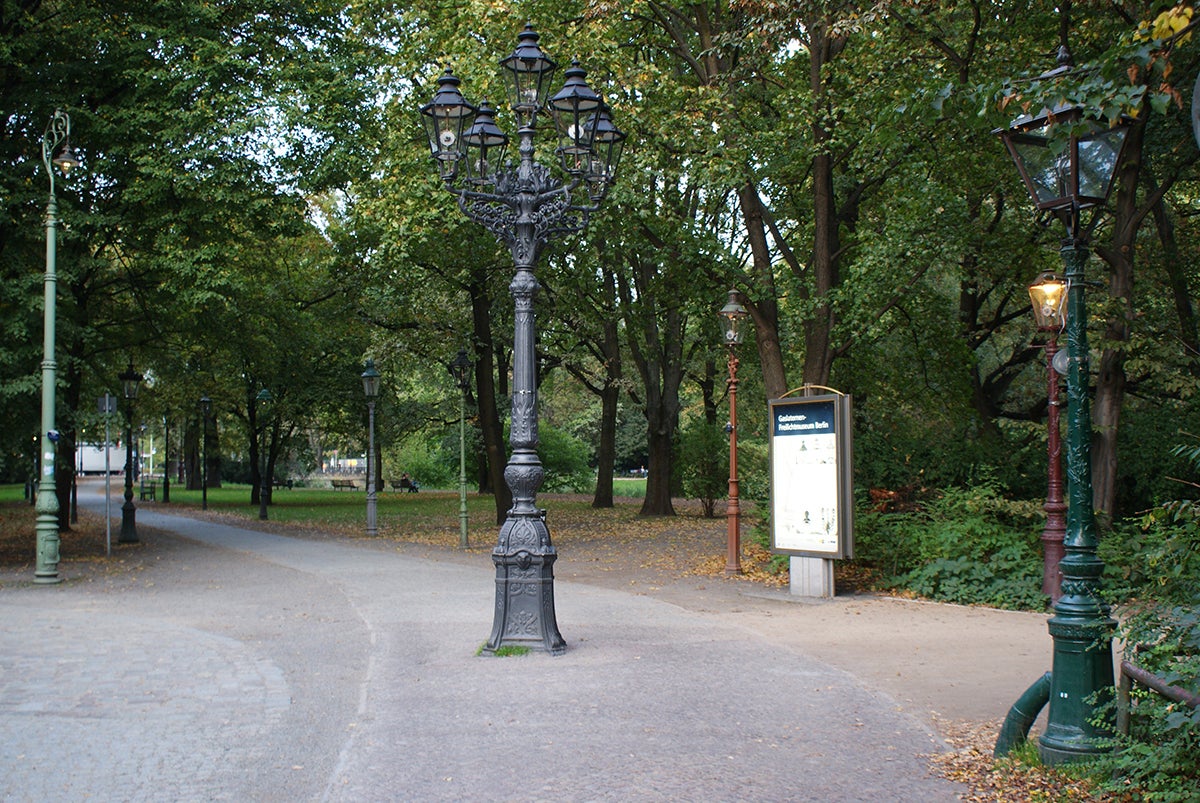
(812, 488)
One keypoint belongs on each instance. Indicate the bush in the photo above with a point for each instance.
(702, 464)
(565, 461)
(1159, 568)
(962, 545)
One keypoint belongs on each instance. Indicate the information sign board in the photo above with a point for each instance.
(812, 489)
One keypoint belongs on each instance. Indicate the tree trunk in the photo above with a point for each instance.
(764, 309)
(660, 442)
(485, 389)
(818, 327)
(610, 396)
(1110, 379)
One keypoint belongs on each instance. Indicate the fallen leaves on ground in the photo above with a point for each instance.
(990, 780)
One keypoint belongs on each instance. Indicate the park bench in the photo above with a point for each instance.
(278, 483)
(405, 485)
(347, 484)
(147, 492)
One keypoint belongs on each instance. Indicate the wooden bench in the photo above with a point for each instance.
(147, 492)
(282, 484)
(405, 485)
(347, 484)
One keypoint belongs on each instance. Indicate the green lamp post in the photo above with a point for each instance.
(459, 368)
(370, 380)
(1068, 162)
(56, 152)
(263, 398)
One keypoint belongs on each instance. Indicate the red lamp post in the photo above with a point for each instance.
(1048, 296)
(733, 323)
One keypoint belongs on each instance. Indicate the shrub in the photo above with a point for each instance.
(1161, 574)
(702, 466)
(962, 545)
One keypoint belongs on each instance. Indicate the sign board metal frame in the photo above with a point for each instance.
(812, 485)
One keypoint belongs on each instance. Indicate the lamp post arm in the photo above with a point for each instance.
(57, 132)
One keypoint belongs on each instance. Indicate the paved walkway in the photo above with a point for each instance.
(241, 665)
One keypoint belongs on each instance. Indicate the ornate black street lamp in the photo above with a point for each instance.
(205, 412)
(56, 152)
(460, 368)
(1068, 162)
(1048, 296)
(370, 380)
(733, 330)
(524, 206)
(131, 381)
(263, 399)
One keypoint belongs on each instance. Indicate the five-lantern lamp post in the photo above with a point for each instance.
(263, 399)
(370, 381)
(733, 330)
(524, 205)
(1068, 162)
(56, 153)
(460, 368)
(131, 381)
(1048, 296)
(205, 412)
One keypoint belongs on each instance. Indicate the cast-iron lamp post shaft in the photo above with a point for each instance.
(1055, 507)
(733, 547)
(1081, 626)
(56, 152)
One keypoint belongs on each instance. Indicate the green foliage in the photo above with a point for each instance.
(425, 460)
(565, 460)
(968, 546)
(1159, 568)
(702, 467)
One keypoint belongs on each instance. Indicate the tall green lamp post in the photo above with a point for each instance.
(459, 368)
(1068, 162)
(56, 152)
(131, 381)
(263, 399)
(370, 380)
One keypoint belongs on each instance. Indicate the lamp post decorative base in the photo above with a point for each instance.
(1082, 671)
(525, 601)
(524, 559)
(46, 570)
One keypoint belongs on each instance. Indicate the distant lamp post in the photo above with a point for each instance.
(1048, 295)
(524, 206)
(263, 399)
(370, 380)
(56, 153)
(166, 458)
(460, 368)
(205, 412)
(733, 330)
(1068, 162)
(131, 381)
